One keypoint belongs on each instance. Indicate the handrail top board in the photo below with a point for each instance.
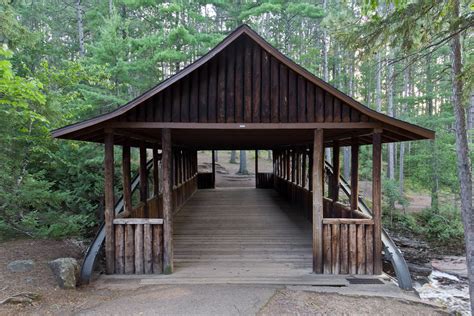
(138, 221)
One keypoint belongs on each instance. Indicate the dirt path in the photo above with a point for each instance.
(224, 299)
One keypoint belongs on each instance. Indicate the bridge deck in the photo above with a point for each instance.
(241, 232)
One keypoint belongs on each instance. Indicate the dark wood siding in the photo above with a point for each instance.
(244, 84)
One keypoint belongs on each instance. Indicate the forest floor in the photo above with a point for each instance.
(172, 299)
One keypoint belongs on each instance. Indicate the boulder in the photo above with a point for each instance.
(66, 272)
(21, 265)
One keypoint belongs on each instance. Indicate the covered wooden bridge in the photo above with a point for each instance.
(243, 94)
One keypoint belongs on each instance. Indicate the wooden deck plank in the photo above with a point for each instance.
(243, 232)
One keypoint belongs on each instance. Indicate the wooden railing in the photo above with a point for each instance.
(264, 180)
(348, 246)
(138, 245)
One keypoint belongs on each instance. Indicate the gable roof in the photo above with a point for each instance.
(404, 130)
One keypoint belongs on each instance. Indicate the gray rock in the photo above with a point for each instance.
(21, 265)
(66, 271)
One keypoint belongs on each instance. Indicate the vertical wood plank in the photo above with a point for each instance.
(283, 98)
(239, 83)
(138, 249)
(352, 249)
(159, 107)
(230, 85)
(212, 92)
(344, 249)
(327, 249)
(185, 100)
(147, 249)
(317, 199)
(310, 102)
(265, 87)
(337, 110)
(377, 199)
(319, 105)
(167, 103)
(129, 250)
(256, 87)
(369, 249)
(119, 249)
(166, 163)
(360, 249)
(203, 102)
(292, 91)
(346, 113)
(354, 175)
(109, 212)
(143, 179)
(274, 93)
(176, 112)
(247, 82)
(221, 89)
(157, 251)
(328, 107)
(194, 98)
(335, 243)
(301, 99)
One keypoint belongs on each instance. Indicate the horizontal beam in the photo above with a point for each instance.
(138, 221)
(242, 126)
(365, 221)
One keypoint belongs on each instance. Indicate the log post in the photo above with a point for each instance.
(109, 202)
(317, 175)
(256, 168)
(156, 185)
(354, 175)
(377, 198)
(127, 186)
(166, 164)
(214, 169)
(143, 179)
(303, 169)
(336, 171)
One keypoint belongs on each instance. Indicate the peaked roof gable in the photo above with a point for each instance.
(294, 90)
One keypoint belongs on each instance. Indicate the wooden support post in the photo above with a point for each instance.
(336, 172)
(377, 199)
(156, 185)
(109, 203)
(166, 165)
(127, 185)
(303, 169)
(293, 166)
(298, 167)
(317, 175)
(310, 170)
(354, 175)
(256, 168)
(287, 164)
(213, 169)
(143, 179)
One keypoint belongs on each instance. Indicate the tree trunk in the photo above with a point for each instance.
(233, 157)
(80, 27)
(378, 84)
(216, 156)
(401, 171)
(111, 8)
(269, 155)
(243, 163)
(433, 145)
(390, 112)
(462, 151)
